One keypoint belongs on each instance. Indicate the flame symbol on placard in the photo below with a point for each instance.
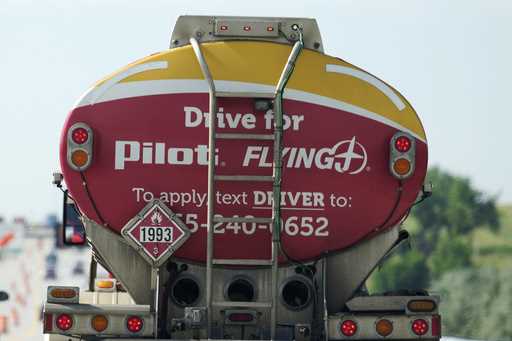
(156, 218)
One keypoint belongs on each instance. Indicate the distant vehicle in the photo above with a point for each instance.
(51, 259)
(51, 265)
(3, 324)
(20, 221)
(3, 296)
(11, 238)
(52, 221)
(79, 268)
(5, 239)
(51, 273)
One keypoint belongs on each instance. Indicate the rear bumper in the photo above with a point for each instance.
(402, 326)
(82, 315)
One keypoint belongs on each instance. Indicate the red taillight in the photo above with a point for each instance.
(80, 135)
(223, 27)
(241, 317)
(77, 238)
(48, 322)
(403, 144)
(419, 327)
(134, 324)
(436, 325)
(348, 328)
(64, 322)
(247, 28)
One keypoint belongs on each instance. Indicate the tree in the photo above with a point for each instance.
(455, 205)
(450, 252)
(405, 271)
(476, 303)
(441, 242)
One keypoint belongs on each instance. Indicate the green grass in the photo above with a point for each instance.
(506, 221)
(495, 248)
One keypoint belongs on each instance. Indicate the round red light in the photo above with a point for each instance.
(134, 324)
(80, 135)
(64, 322)
(403, 144)
(348, 327)
(419, 327)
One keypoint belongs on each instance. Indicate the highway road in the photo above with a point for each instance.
(23, 271)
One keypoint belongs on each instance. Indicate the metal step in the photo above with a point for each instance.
(248, 262)
(237, 136)
(245, 94)
(231, 304)
(242, 220)
(244, 178)
(277, 98)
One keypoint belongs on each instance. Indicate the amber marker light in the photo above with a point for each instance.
(421, 305)
(99, 323)
(79, 158)
(105, 284)
(402, 166)
(63, 293)
(384, 327)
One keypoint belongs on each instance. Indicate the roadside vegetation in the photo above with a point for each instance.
(461, 249)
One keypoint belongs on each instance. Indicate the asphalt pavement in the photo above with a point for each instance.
(25, 273)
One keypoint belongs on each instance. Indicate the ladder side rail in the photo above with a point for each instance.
(277, 173)
(211, 181)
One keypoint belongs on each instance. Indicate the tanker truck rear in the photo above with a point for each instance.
(242, 185)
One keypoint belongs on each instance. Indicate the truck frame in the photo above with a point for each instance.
(323, 299)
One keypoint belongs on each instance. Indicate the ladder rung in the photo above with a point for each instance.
(231, 304)
(245, 94)
(236, 136)
(248, 262)
(242, 220)
(244, 178)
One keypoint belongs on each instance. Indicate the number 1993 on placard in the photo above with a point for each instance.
(156, 234)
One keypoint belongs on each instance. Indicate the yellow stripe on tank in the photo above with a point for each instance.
(262, 63)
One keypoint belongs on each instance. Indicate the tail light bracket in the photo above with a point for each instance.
(396, 155)
(86, 147)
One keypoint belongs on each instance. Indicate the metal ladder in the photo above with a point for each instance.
(277, 96)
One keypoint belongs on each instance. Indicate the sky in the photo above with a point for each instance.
(450, 59)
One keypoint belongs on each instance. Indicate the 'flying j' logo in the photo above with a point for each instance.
(350, 155)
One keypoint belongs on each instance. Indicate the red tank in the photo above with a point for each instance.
(150, 140)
